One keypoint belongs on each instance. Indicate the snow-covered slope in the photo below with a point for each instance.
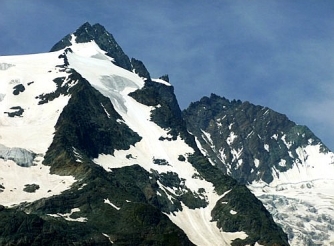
(94, 149)
(27, 127)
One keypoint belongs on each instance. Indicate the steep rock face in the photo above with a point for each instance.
(247, 141)
(167, 113)
(102, 38)
(88, 126)
(139, 68)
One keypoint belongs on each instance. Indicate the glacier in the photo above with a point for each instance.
(301, 199)
(21, 157)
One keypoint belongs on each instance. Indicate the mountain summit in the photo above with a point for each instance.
(98, 34)
(93, 151)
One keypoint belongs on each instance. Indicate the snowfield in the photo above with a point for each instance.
(301, 199)
(25, 139)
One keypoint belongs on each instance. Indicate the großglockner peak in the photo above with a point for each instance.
(98, 34)
(95, 151)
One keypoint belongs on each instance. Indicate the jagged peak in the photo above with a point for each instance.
(139, 68)
(88, 32)
(97, 33)
(164, 77)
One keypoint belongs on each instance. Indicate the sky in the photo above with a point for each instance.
(278, 54)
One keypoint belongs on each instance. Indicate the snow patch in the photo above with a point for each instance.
(67, 216)
(222, 155)
(233, 212)
(236, 153)
(250, 134)
(266, 147)
(112, 81)
(207, 137)
(199, 220)
(230, 126)
(161, 81)
(256, 162)
(77, 155)
(230, 139)
(108, 115)
(282, 163)
(106, 235)
(111, 204)
(266, 112)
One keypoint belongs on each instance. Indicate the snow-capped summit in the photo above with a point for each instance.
(95, 151)
(97, 33)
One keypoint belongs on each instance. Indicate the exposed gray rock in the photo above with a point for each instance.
(18, 89)
(17, 111)
(31, 188)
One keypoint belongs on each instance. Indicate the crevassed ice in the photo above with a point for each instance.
(113, 85)
(20, 156)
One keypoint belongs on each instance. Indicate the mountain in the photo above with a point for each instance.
(284, 164)
(96, 152)
(93, 151)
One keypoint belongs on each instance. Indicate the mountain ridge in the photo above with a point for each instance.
(273, 156)
(130, 167)
(260, 128)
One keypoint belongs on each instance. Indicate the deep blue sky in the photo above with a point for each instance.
(278, 54)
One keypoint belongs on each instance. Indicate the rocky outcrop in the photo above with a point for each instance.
(247, 141)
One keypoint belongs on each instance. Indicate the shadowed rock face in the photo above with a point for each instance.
(21, 157)
(247, 141)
